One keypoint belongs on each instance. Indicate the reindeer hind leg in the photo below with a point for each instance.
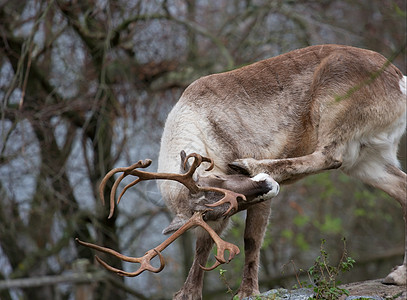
(394, 182)
(378, 167)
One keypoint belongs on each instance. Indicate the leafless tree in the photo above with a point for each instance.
(86, 85)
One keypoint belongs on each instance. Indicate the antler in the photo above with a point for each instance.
(144, 260)
(186, 179)
(196, 220)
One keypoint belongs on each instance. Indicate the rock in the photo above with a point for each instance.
(366, 290)
(364, 298)
(375, 288)
(283, 294)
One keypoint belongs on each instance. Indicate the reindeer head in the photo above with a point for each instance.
(211, 197)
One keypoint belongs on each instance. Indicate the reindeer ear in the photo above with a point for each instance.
(238, 167)
(184, 165)
(175, 224)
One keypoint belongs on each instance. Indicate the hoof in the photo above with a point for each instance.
(272, 185)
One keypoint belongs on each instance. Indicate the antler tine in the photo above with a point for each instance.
(198, 159)
(143, 267)
(126, 188)
(214, 266)
(220, 258)
(113, 193)
(144, 261)
(126, 171)
(229, 197)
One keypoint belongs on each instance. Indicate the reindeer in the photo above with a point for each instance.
(273, 122)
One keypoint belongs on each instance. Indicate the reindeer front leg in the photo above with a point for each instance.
(192, 289)
(256, 224)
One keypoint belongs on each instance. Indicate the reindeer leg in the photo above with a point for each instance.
(290, 169)
(393, 181)
(256, 224)
(192, 289)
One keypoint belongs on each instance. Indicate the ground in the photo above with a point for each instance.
(376, 288)
(366, 290)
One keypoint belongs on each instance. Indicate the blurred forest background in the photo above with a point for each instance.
(85, 86)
